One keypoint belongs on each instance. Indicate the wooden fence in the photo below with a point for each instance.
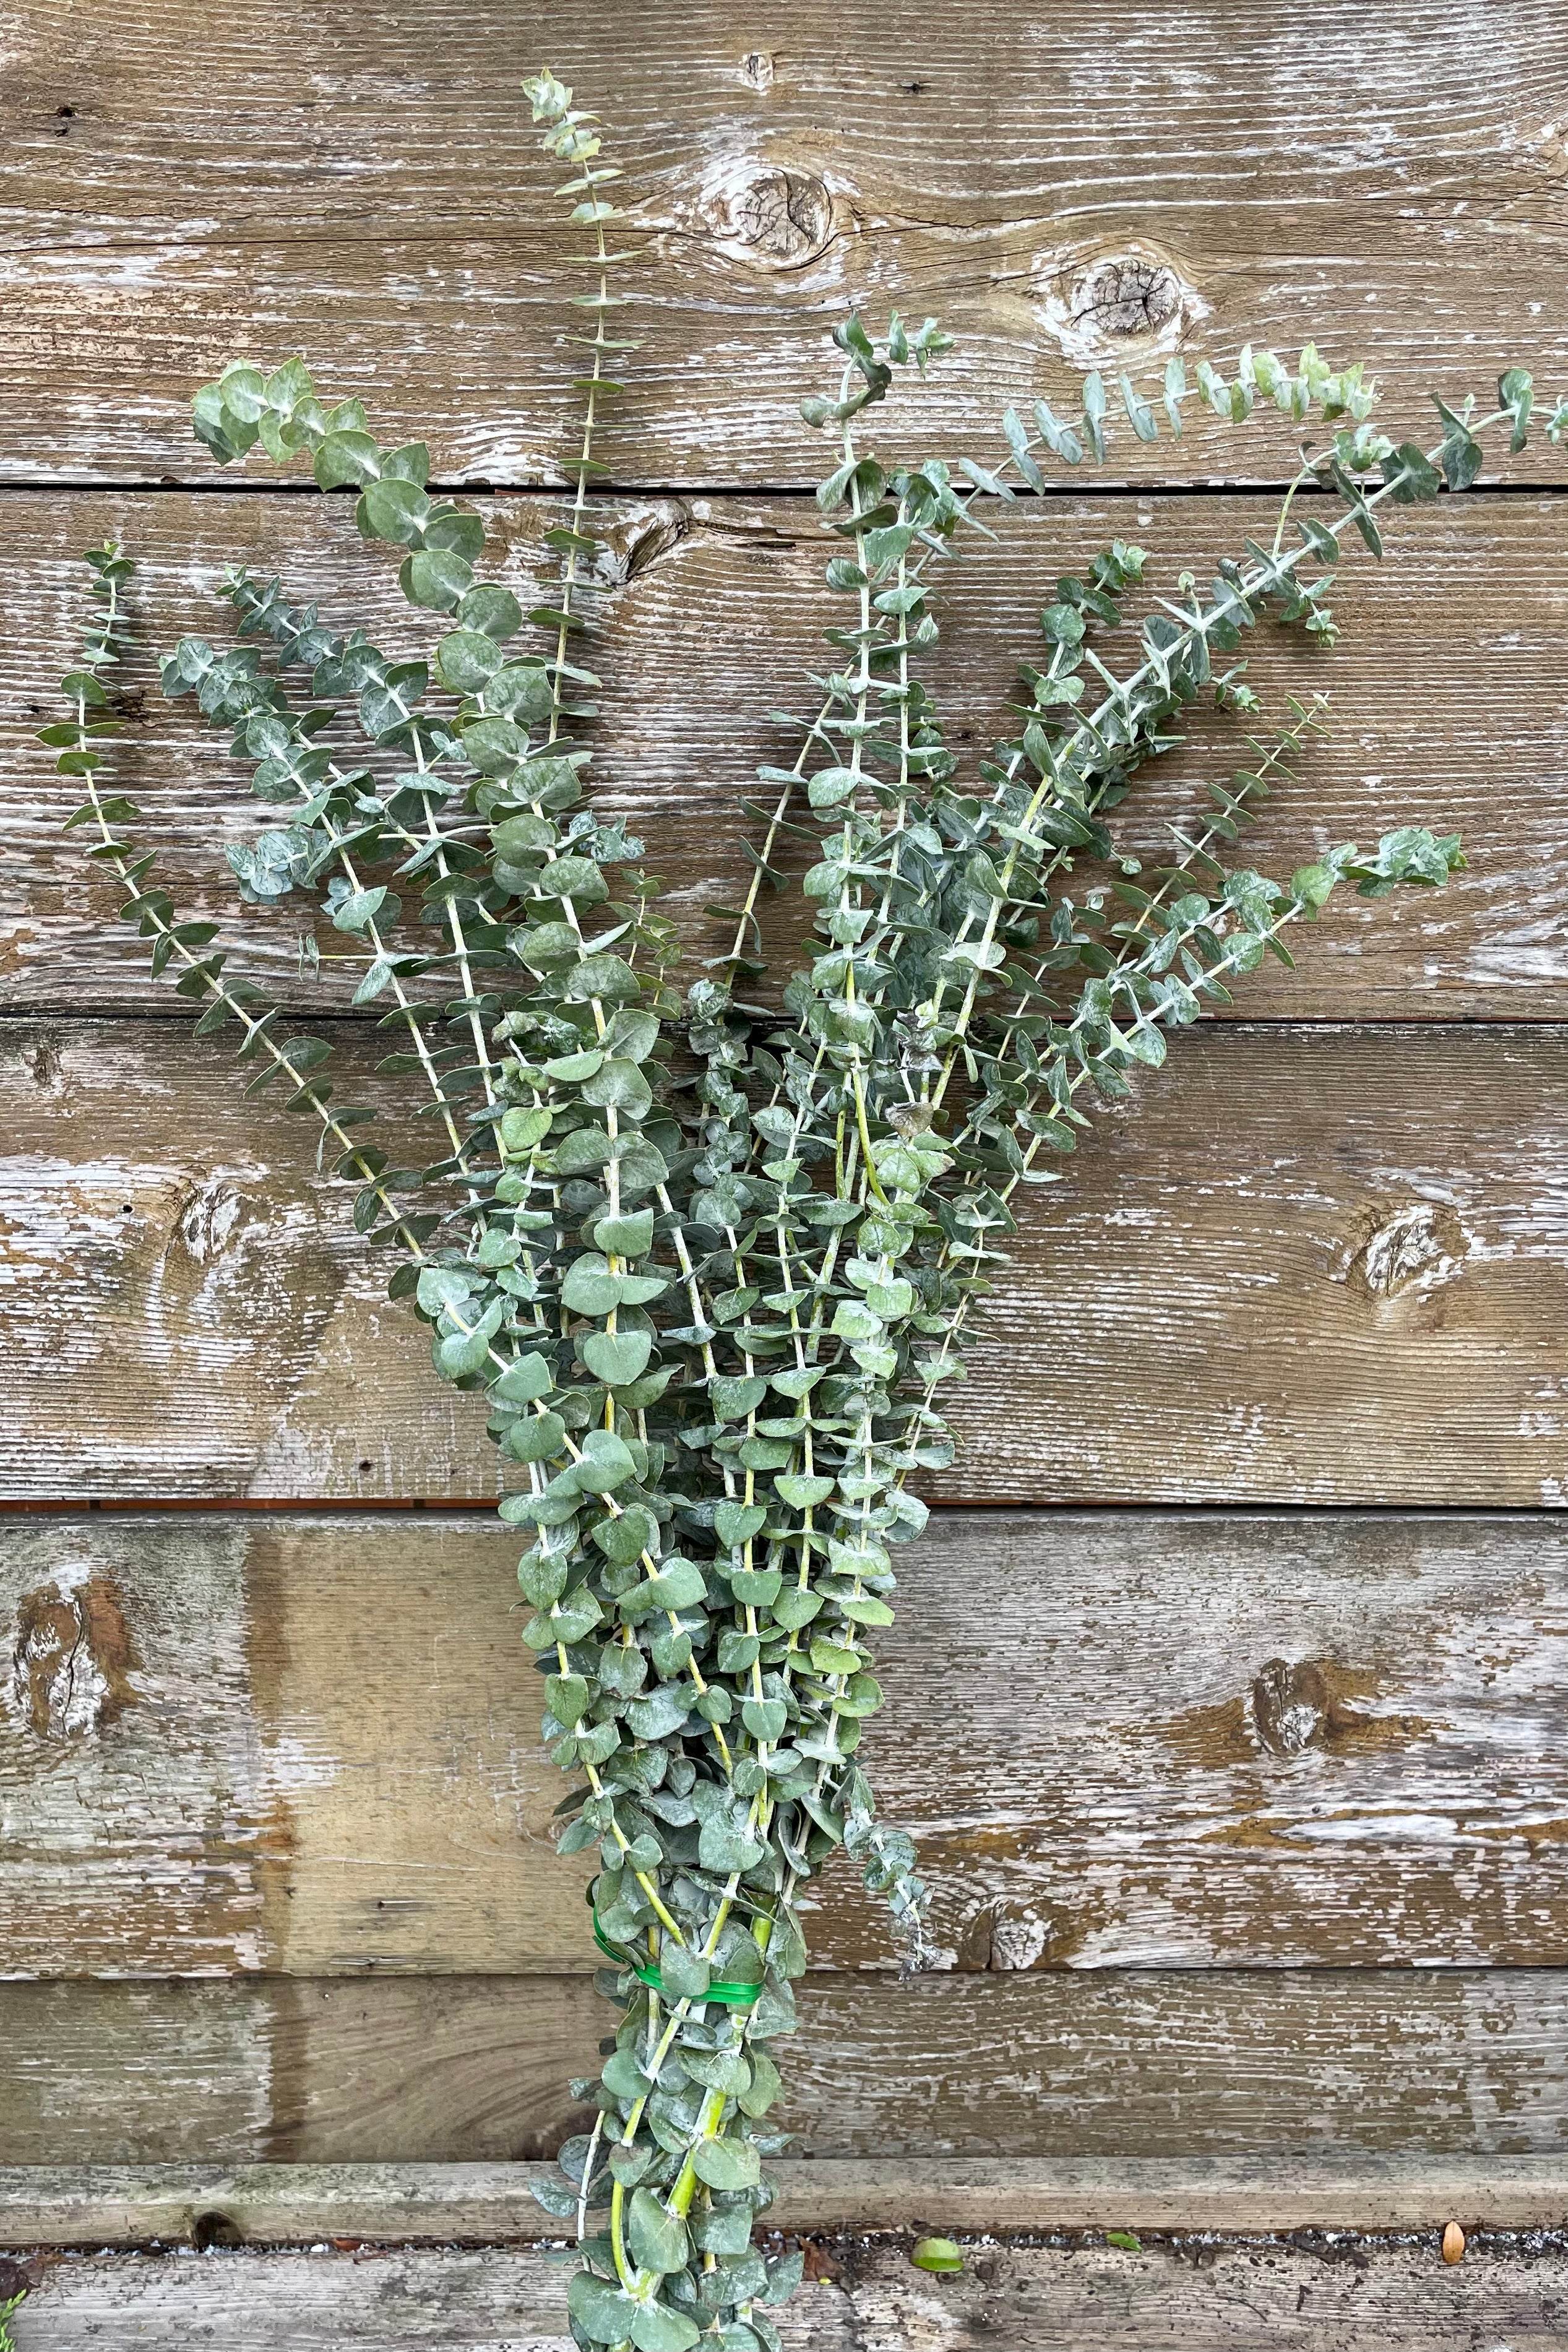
(1232, 1731)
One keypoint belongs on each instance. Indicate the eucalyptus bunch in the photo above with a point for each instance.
(709, 1255)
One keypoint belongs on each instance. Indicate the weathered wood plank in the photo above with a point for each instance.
(390, 2204)
(281, 1777)
(308, 1746)
(1349, 2295)
(1470, 603)
(1323, 2064)
(186, 189)
(1317, 1266)
(1312, 1268)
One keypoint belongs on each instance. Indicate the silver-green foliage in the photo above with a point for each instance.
(709, 1264)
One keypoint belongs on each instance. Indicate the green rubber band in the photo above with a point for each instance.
(733, 1996)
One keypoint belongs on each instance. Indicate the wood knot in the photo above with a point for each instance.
(205, 1220)
(1127, 295)
(45, 1066)
(1417, 1249)
(757, 70)
(1550, 145)
(1305, 1703)
(1291, 1706)
(1117, 310)
(1018, 1940)
(638, 538)
(768, 215)
(73, 1659)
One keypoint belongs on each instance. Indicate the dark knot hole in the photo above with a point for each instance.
(215, 2230)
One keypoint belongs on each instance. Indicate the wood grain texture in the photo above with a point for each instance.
(1123, 1740)
(1088, 190)
(1047, 2067)
(714, 624)
(475, 2203)
(1313, 1266)
(1300, 1265)
(1217, 1773)
(1240, 2296)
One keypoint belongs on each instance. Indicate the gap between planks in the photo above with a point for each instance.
(483, 1506)
(1070, 489)
(284, 2204)
(1313, 2293)
(28, 1015)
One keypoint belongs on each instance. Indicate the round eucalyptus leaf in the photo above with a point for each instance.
(626, 1236)
(655, 2237)
(606, 1464)
(392, 509)
(466, 660)
(727, 2163)
(492, 611)
(616, 1356)
(437, 578)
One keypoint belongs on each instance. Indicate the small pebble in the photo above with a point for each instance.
(1453, 2243)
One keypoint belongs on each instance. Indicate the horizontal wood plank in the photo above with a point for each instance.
(185, 189)
(1325, 2066)
(1246, 2295)
(1442, 713)
(476, 2203)
(1299, 1265)
(308, 1746)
